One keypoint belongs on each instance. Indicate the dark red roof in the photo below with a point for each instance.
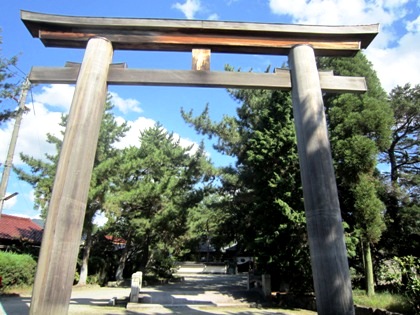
(18, 228)
(116, 240)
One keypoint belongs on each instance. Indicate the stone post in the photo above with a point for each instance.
(136, 280)
(266, 285)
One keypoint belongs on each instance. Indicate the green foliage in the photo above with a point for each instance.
(403, 153)
(9, 87)
(352, 238)
(261, 197)
(16, 270)
(359, 128)
(369, 209)
(43, 171)
(152, 188)
(403, 274)
(162, 263)
(402, 156)
(391, 302)
(76, 277)
(93, 279)
(103, 257)
(204, 221)
(410, 273)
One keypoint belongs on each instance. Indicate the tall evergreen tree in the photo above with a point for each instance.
(359, 127)
(263, 190)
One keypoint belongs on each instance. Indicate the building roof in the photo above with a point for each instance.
(19, 228)
(116, 240)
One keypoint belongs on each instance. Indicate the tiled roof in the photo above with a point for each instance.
(18, 228)
(116, 240)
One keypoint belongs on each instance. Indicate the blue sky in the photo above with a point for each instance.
(394, 54)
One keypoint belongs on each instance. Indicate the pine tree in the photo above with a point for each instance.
(9, 87)
(402, 156)
(153, 186)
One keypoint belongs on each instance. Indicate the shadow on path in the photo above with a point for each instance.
(14, 304)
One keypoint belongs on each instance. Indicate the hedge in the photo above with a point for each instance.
(16, 269)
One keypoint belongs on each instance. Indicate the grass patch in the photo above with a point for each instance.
(383, 300)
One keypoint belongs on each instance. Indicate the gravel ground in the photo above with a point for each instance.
(197, 294)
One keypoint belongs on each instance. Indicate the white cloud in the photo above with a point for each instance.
(37, 123)
(125, 105)
(414, 26)
(186, 143)
(335, 12)
(392, 53)
(132, 136)
(141, 124)
(50, 103)
(397, 65)
(58, 95)
(189, 8)
(32, 134)
(213, 17)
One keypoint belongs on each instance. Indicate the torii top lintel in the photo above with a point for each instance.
(185, 35)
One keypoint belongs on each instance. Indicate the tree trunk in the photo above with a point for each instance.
(370, 286)
(121, 264)
(146, 253)
(86, 254)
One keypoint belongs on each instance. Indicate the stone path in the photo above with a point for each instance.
(197, 294)
(200, 289)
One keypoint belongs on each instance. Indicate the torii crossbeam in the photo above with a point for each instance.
(100, 36)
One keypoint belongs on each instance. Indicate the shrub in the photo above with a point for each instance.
(93, 279)
(16, 269)
(162, 264)
(410, 270)
(403, 273)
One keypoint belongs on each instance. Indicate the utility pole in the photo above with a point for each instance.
(9, 160)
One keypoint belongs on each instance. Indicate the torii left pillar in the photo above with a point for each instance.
(66, 212)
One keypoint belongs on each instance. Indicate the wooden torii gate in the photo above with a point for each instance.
(101, 36)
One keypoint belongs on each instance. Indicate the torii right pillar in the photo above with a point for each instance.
(323, 217)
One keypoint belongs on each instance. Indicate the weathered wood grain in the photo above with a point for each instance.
(184, 35)
(323, 217)
(211, 79)
(66, 212)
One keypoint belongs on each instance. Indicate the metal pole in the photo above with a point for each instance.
(63, 229)
(9, 160)
(323, 217)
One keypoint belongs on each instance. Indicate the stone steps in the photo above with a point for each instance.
(215, 298)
